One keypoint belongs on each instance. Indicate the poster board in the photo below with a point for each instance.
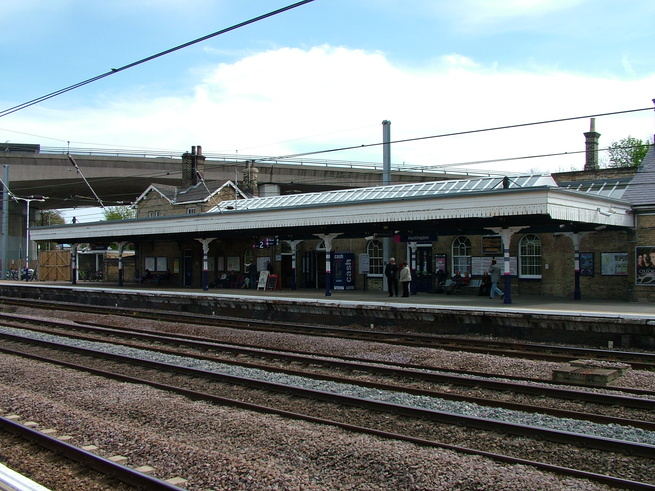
(364, 264)
(440, 263)
(263, 279)
(480, 264)
(645, 266)
(614, 263)
(262, 263)
(586, 263)
(233, 263)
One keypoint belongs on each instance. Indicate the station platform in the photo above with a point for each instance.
(528, 317)
(519, 303)
(465, 302)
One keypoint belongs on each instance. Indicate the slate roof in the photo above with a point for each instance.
(641, 190)
(195, 194)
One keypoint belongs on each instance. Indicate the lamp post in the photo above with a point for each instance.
(28, 200)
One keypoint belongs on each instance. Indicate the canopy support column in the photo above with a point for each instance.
(205, 262)
(74, 263)
(328, 238)
(506, 236)
(121, 248)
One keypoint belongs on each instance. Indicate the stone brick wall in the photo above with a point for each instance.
(558, 275)
(597, 174)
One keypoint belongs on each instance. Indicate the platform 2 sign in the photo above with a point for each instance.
(265, 243)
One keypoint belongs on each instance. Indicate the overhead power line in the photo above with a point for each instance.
(149, 58)
(459, 133)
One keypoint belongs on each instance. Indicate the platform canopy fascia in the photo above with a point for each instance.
(536, 205)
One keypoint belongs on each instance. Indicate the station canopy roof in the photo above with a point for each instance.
(443, 207)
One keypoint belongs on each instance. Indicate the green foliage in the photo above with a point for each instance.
(628, 152)
(51, 217)
(119, 213)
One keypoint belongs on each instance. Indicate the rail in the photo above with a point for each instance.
(93, 461)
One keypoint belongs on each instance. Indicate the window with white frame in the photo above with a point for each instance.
(153, 214)
(376, 263)
(190, 211)
(530, 256)
(461, 255)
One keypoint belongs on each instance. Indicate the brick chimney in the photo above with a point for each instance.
(193, 167)
(591, 147)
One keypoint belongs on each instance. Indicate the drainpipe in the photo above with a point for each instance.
(386, 180)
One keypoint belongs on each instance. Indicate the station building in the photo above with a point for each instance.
(579, 234)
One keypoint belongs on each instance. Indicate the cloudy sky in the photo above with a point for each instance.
(326, 74)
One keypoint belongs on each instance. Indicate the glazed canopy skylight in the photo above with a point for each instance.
(399, 191)
(612, 188)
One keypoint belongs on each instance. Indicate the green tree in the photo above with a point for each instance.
(628, 152)
(119, 213)
(51, 217)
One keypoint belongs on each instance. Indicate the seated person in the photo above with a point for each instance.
(466, 280)
(145, 277)
(223, 280)
(456, 283)
(485, 285)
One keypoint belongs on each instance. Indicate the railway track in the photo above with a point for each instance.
(410, 415)
(410, 378)
(122, 476)
(507, 348)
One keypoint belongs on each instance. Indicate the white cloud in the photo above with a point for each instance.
(267, 103)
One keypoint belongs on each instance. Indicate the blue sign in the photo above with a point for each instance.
(344, 270)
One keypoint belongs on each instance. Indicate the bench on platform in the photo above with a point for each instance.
(472, 288)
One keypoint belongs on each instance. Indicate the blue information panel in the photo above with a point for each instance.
(344, 271)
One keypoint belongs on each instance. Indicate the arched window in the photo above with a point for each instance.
(461, 254)
(376, 264)
(530, 256)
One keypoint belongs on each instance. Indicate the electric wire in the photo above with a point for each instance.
(149, 58)
(436, 167)
(467, 132)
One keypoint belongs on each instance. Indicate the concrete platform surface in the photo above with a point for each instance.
(524, 304)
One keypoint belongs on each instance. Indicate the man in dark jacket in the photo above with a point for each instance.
(391, 272)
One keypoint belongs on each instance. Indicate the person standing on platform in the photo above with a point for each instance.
(391, 272)
(494, 272)
(405, 278)
(253, 275)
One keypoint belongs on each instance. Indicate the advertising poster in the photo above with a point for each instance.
(586, 263)
(645, 263)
